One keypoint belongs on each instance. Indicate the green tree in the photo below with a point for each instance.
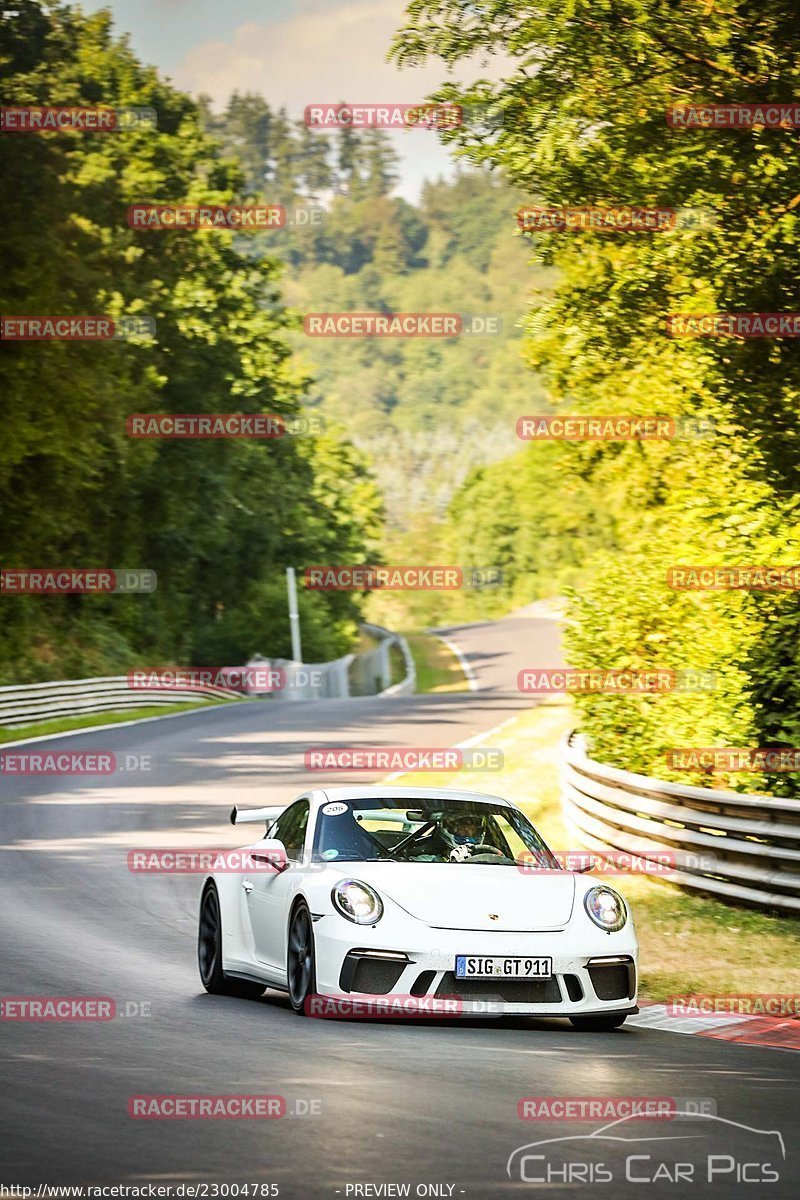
(283, 168)
(246, 126)
(380, 163)
(348, 160)
(217, 520)
(583, 108)
(316, 174)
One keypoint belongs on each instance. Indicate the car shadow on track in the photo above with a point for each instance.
(278, 1004)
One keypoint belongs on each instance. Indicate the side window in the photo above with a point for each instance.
(513, 840)
(290, 828)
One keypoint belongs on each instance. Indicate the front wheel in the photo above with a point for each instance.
(300, 966)
(209, 953)
(600, 1023)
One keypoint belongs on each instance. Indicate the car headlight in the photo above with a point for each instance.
(357, 901)
(606, 908)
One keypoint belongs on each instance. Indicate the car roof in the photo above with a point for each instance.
(377, 791)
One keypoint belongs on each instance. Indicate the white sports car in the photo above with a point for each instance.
(392, 892)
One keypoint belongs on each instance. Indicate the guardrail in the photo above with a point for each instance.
(407, 686)
(382, 660)
(368, 673)
(72, 697)
(744, 848)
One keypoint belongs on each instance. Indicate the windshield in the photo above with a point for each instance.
(432, 831)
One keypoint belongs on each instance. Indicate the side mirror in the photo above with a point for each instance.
(270, 855)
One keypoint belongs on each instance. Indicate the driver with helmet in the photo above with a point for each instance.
(464, 833)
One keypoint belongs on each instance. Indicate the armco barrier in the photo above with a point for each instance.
(73, 697)
(353, 675)
(408, 684)
(746, 848)
(382, 656)
(366, 674)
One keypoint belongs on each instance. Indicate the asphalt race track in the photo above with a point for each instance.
(423, 1103)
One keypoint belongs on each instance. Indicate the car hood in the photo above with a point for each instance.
(460, 896)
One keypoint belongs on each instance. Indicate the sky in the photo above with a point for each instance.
(294, 52)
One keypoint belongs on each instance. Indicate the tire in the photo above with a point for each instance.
(601, 1023)
(209, 952)
(301, 974)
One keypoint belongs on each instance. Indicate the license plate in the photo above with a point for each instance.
(470, 966)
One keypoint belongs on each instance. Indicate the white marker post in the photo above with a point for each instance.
(294, 616)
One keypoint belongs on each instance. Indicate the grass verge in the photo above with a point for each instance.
(90, 720)
(688, 943)
(438, 669)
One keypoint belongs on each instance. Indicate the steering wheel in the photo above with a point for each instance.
(412, 837)
(481, 852)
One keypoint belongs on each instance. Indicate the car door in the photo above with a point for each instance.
(269, 892)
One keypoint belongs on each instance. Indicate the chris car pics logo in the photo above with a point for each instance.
(696, 1147)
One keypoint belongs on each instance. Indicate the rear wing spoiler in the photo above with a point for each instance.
(240, 815)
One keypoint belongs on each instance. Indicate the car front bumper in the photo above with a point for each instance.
(593, 971)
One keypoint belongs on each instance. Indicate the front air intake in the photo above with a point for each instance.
(613, 978)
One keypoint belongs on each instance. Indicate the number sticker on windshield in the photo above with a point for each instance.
(334, 810)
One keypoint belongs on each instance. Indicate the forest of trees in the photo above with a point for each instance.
(218, 521)
(405, 420)
(420, 458)
(426, 412)
(584, 105)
